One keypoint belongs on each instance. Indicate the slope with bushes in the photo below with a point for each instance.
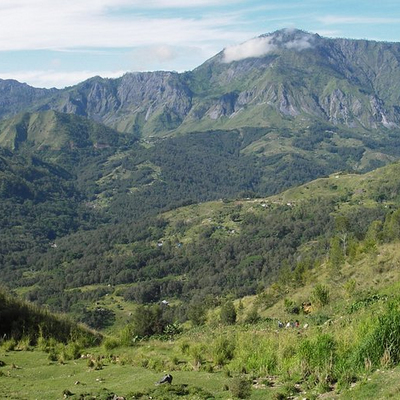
(346, 344)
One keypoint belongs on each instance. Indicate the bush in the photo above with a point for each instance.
(9, 345)
(291, 307)
(320, 295)
(228, 313)
(111, 343)
(197, 353)
(252, 317)
(317, 358)
(73, 350)
(148, 321)
(185, 346)
(240, 387)
(24, 344)
(223, 350)
(255, 354)
(197, 314)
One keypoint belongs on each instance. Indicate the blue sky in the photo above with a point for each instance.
(57, 43)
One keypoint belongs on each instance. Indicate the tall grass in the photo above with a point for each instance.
(255, 354)
(317, 357)
(223, 350)
(380, 346)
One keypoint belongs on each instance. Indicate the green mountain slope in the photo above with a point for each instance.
(215, 248)
(300, 78)
(53, 131)
(325, 254)
(85, 197)
(23, 321)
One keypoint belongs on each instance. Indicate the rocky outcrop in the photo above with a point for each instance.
(139, 97)
(16, 97)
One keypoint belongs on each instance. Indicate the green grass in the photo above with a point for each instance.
(29, 375)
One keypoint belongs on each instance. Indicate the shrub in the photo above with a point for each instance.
(252, 317)
(52, 355)
(111, 343)
(9, 345)
(255, 354)
(42, 344)
(240, 387)
(148, 321)
(73, 350)
(185, 346)
(24, 344)
(197, 314)
(291, 307)
(320, 295)
(197, 353)
(228, 313)
(127, 336)
(223, 350)
(317, 358)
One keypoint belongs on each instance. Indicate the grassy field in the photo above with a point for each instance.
(30, 375)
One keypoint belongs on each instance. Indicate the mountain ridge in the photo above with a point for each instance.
(289, 76)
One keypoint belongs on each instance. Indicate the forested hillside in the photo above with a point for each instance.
(212, 249)
(330, 247)
(93, 178)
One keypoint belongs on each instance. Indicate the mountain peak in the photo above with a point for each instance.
(289, 35)
(292, 39)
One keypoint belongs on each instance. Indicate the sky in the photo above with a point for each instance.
(58, 43)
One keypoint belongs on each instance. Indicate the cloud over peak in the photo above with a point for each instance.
(263, 45)
(257, 47)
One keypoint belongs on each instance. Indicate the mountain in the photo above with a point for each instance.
(16, 97)
(342, 293)
(52, 131)
(291, 79)
(256, 119)
(273, 112)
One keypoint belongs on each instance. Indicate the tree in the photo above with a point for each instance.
(148, 321)
(197, 314)
(336, 257)
(228, 313)
(392, 226)
(342, 225)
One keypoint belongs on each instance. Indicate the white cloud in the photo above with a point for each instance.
(159, 54)
(261, 46)
(335, 19)
(257, 47)
(300, 42)
(181, 3)
(59, 24)
(164, 53)
(144, 58)
(57, 79)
